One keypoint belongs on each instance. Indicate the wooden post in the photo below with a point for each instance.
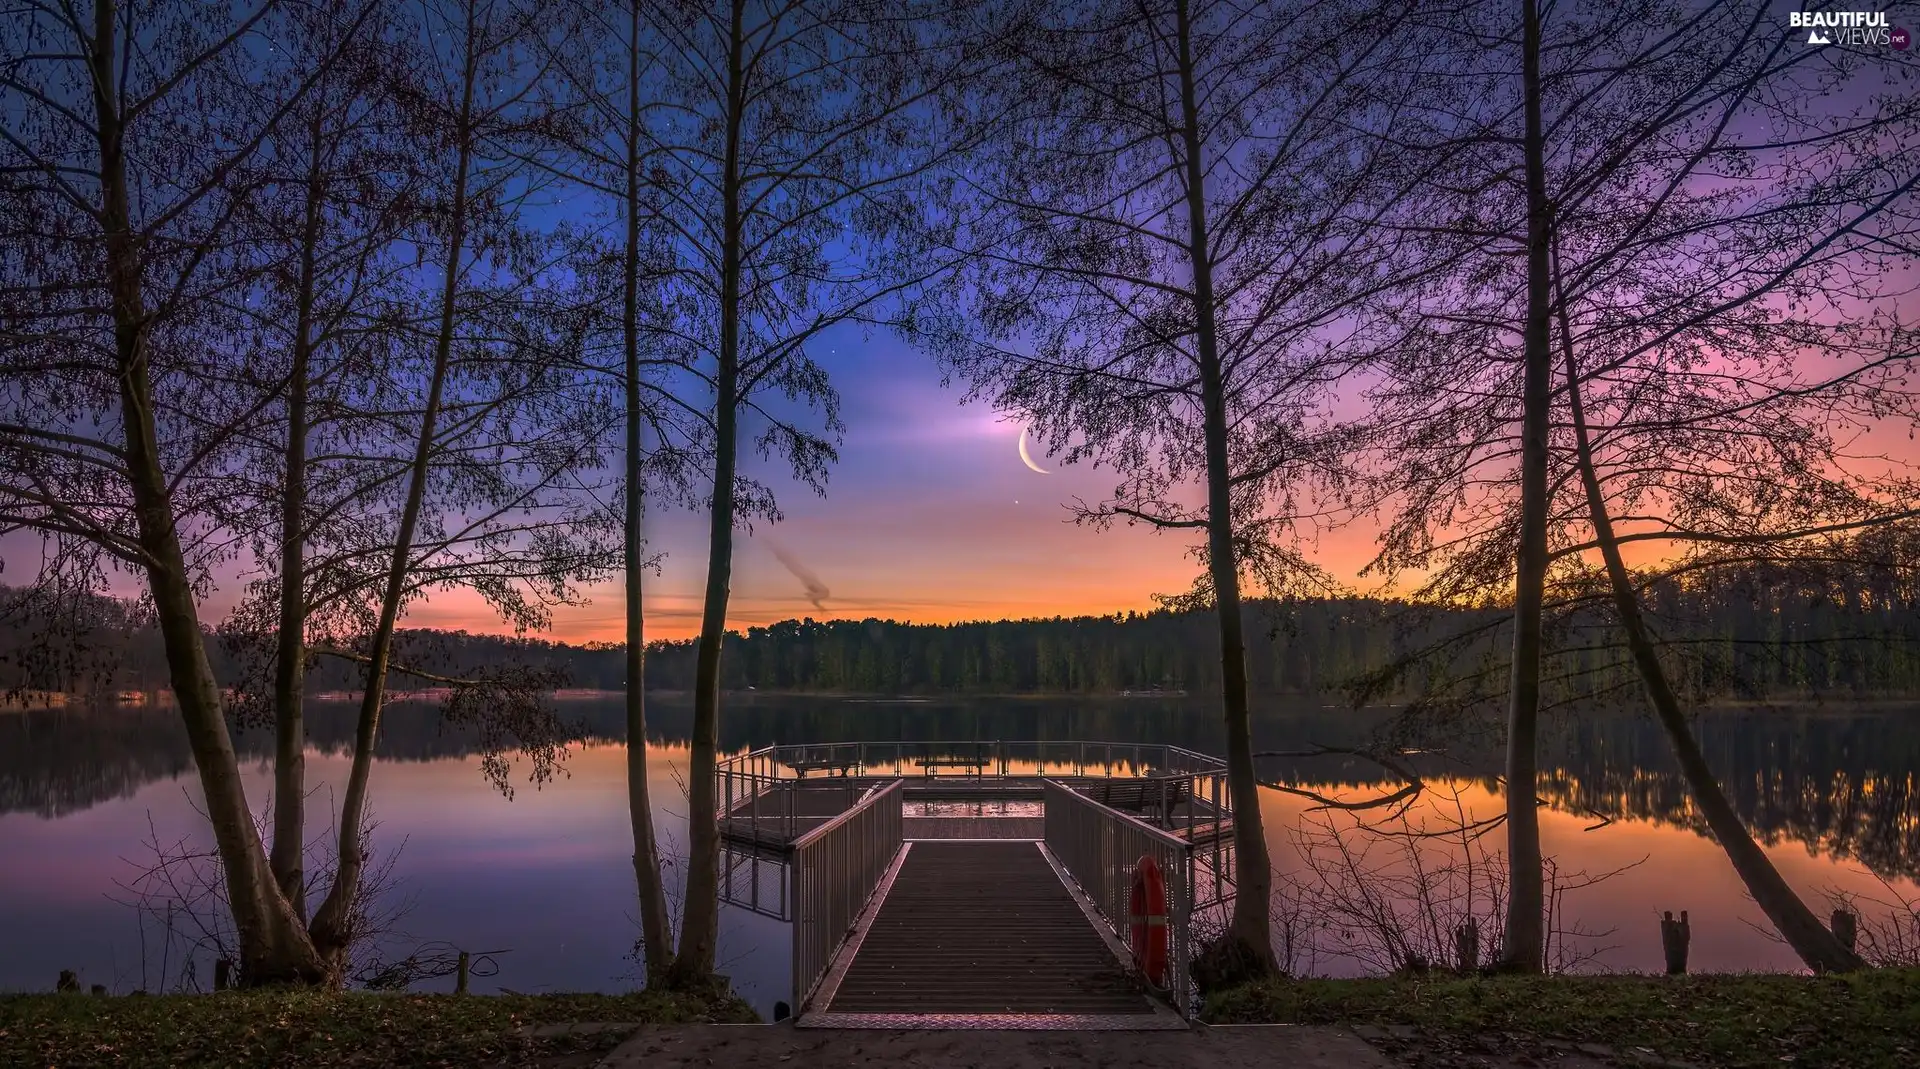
(1674, 936)
(68, 982)
(460, 975)
(1466, 945)
(1846, 928)
(222, 974)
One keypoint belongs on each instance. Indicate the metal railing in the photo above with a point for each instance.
(835, 870)
(1002, 757)
(768, 807)
(1099, 846)
(759, 791)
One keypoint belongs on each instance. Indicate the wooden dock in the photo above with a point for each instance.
(981, 934)
(976, 885)
(775, 818)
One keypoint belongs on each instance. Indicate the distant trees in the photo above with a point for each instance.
(1778, 633)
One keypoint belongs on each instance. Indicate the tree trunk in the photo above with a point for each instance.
(1525, 944)
(700, 920)
(333, 921)
(655, 924)
(273, 946)
(290, 656)
(1818, 947)
(1253, 874)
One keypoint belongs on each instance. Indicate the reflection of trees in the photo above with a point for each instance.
(1843, 785)
(59, 761)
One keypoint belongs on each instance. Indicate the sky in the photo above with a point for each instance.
(930, 516)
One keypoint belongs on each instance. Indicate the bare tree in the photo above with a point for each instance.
(340, 193)
(790, 146)
(1178, 260)
(611, 65)
(120, 160)
(502, 397)
(1700, 200)
(1730, 275)
(1525, 944)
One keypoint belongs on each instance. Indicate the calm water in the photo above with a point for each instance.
(546, 876)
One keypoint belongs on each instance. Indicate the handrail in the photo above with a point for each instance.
(836, 868)
(821, 832)
(1098, 845)
(764, 761)
(1137, 825)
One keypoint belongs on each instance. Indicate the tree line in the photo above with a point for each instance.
(1758, 641)
(1590, 308)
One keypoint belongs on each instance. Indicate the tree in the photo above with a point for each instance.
(508, 426)
(1178, 259)
(1524, 946)
(339, 194)
(1700, 198)
(609, 63)
(119, 161)
(792, 142)
(1720, 409)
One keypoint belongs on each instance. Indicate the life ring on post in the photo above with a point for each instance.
(1147, 913)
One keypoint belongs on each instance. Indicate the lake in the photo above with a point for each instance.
(546, 876)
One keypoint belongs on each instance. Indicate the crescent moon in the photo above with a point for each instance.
(1027, 457)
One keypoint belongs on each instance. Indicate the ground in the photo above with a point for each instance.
(1867, 1021)
(326, 1031)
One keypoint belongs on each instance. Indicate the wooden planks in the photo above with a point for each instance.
(982, 928)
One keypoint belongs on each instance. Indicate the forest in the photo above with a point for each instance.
(1767, 638)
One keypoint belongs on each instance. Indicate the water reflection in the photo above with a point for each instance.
(547, 875)
(1841, 784)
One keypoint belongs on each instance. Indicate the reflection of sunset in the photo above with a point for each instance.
(1656, 867)
(483, 861)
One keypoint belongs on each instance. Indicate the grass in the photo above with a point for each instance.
(1861, 1021)
(323, 1030)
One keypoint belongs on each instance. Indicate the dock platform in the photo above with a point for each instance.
(979, 885)
(981, 935)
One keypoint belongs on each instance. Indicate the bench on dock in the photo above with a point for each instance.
(1141, 795)
(975, 764)
(841, 765)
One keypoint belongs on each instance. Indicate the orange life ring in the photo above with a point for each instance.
(1147, 913)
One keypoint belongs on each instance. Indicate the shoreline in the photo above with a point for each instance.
(42, 701)
(1741, 1021)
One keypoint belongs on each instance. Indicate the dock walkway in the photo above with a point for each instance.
(984, 930)
(993, 898)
